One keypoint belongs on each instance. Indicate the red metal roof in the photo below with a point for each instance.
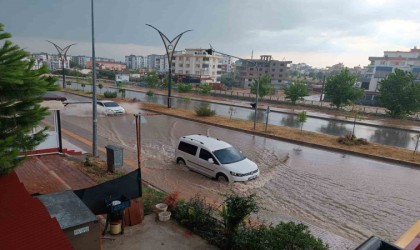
(25, 222)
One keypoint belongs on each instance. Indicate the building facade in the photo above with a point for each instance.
(197, 62)
(249, 70)
(53, 62)
(134, 62)
(81, 60)
(380, 67)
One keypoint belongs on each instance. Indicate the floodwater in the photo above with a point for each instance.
(351, 196)
(381, 135)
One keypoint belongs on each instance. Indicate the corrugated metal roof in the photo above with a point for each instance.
(25, 222)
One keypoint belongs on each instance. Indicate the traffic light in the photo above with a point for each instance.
(209, 51)
(253, 104)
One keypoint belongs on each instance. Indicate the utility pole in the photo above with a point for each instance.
(62, 53)
(94, 112)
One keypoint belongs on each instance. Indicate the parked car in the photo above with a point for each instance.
(215, 158)
(111, 108)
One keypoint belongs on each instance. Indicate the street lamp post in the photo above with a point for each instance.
(62, 53)
(170, 49)
(94, 105)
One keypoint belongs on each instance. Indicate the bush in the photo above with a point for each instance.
(204, 110)
(150, 93)
(186, 99)
(350, 139)
(184, 88)
(204, 89)
(282, 236)
(110, 94)
(171, 200)
(196, 215)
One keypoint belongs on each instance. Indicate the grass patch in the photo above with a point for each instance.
(150, 198)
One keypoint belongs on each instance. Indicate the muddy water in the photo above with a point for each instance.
(351, 196)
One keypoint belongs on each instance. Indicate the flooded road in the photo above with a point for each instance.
(351, 196)
(381, 135)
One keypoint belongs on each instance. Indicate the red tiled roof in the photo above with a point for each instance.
(25, 222)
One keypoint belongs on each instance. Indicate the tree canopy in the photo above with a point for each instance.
(152, 79)
(266, 87)
(341, 89)
(296, 91)
(229, 80)
(21, 91)
(399, 94)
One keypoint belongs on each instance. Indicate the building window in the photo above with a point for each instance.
(272, 75)
(250, 79)
(260, 69)
(187, 65)
(187, 72)
(278, 80)
(272, 70)
(197, 65)
(180, 65)
(250, 74)
(281, 64)
(251, 68)
(214, 66)
(280, 75)
(281, 70)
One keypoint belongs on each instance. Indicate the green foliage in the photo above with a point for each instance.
(265, 86)
(110, 94)
(100, 86)
(68, 72)
(121, 89)
(186, 99)
(106, 74)
(204, 110)
(340, 89)
(235, 209)
(229, 80)
(150, 198)
(197, 215)
(282, 236)
(184, 88)
(150, 93)
(152, 80)
(399, 94)
(296, 91)
(21, 91)
(83, 86)
(302, 117)
(204, 89)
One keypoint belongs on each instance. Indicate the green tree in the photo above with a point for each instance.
(100, 86)
(302, 117)
(399, 94)
(204, 89)
(296, 91)
(341, 89)
(229, 80)
(121, 89)
(21, 90)
(266, 87)
(83, 86)
(152, 80)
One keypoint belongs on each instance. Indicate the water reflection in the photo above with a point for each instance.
(290, 121)
(334, 128)
(260, 116)
(391, 137)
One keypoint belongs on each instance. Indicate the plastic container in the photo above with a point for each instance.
(164, 216)
(161, 207)
(115, 227)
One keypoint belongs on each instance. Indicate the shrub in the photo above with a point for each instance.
(282, 236)
(110, 94)
(350, 139)
(196, 215)
(150, 93)
(171, 200)
(186, 99)
(204, 89)
(184, 88)
(204, 110)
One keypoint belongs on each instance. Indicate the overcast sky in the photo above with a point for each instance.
(320, 33)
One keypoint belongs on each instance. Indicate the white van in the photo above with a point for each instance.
(215, 158)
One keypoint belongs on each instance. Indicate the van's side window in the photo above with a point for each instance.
(187, 148)
(206, 155)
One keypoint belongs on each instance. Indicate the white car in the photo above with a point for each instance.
(215, 158)
(111, 108)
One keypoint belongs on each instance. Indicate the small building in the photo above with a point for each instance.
(122, 78)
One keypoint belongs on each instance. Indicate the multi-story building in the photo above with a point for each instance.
(151, 61)
(81, 60)
(380, 67)
(134, 62)
(162, 64)
(197, 62)
(251, 69)
(53, 62)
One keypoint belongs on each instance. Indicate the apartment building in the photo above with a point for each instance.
(380, 67)
(151, 61)
(53, 62)
(249, 70)
(81, 60)
(134, 62)
(162, 64)
(197, 63)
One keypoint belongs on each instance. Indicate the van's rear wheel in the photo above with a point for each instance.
(181, 162)
(222, 178)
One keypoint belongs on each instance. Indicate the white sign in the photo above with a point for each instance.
(81, 230)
